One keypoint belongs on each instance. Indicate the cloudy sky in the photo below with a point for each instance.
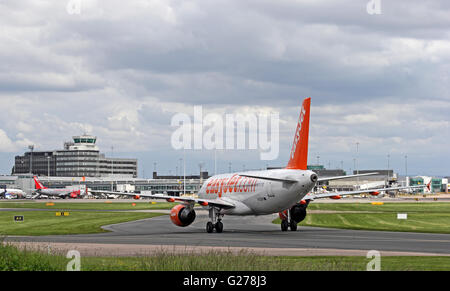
(122, 69)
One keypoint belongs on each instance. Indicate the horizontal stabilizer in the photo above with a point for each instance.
(269, 178)
(345, 177)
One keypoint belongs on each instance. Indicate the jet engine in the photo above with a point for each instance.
(298, 212)
(182, 215)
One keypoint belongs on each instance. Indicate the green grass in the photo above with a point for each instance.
(13, 259)
(427, 207)
(47, 223)
(248, 262)
(416, 222)
(422, 217)
(25, 260)
(58, 205)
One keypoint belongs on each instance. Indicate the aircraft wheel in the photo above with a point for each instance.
(284, 225)
(219, 226)
(209, 227)
(293, 225)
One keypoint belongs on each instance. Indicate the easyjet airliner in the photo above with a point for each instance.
(284, 191)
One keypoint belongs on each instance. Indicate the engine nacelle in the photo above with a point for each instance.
(136, 197)
(182, 216)
(298, 212)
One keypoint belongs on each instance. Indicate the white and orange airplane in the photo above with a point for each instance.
(60, 193)
(284, 191)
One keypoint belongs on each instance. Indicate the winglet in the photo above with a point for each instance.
(299, 152)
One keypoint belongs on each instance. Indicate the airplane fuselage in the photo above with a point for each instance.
(254, 196)
(9, 193)
(58, 192)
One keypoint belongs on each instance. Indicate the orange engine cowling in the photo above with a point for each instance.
(136, 197)
(375, 193)
(182, 216)
(336, 197)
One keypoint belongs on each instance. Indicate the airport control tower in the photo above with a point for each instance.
(80, 158)
(82, 143)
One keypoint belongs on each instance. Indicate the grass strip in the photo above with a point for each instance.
(13, 259)
(78, 222)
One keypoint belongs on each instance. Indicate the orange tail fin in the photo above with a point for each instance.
(38, 184)
(299, 152)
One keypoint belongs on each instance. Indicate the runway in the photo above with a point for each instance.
(252, 233)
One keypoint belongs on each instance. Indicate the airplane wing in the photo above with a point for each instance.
(344, 177)
(204, 202)
(312, 196)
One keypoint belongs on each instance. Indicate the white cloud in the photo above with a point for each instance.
(120, 70)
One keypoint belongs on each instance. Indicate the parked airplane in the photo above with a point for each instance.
(11, 193)
(284, 191)
(60, 193)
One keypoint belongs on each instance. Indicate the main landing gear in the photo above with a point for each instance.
(287, 222)
(215, 221)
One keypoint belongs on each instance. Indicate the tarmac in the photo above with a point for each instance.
(249, 234)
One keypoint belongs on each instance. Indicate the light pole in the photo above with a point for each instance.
(356, 165)
(406, 170)
(357, 156)
(112, 160)
(31, 147)
(388, 158)
(112, 168)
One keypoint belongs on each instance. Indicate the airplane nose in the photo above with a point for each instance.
(314, 178)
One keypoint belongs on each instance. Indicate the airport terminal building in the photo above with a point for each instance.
(79, 158)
